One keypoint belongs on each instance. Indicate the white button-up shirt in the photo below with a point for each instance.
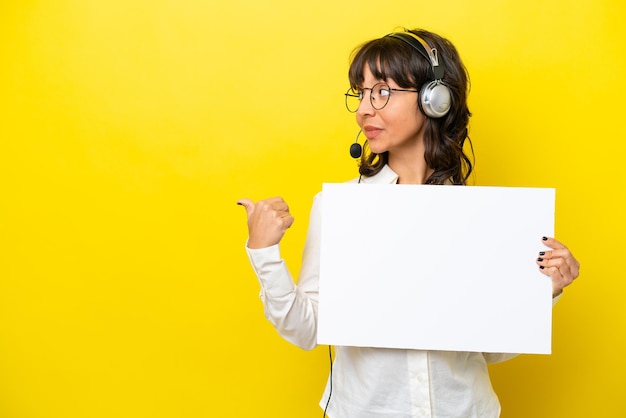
(373, 382)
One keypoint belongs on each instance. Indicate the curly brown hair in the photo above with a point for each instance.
(391, 58)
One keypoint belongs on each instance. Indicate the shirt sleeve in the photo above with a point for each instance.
(291, 307)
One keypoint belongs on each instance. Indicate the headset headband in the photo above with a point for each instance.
(423, 48)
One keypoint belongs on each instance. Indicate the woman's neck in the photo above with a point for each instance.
(413, 176)
(411, 168)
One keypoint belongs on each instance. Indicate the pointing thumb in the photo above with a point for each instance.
(247, 204)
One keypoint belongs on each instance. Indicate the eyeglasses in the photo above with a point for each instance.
(379, 96)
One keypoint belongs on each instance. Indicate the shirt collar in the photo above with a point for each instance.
(385, 176)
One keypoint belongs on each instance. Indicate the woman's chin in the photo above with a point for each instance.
(376, 149)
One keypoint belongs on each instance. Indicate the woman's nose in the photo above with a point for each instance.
(365, 106)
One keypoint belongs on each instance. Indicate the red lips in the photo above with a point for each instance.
(371, 132)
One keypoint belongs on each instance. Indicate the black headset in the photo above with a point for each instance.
(435, 99)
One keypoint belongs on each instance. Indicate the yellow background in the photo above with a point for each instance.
(129, 128)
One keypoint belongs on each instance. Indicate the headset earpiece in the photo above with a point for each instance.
(435, 99)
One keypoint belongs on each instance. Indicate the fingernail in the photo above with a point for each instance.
(542, 253)
(540, 259)
(545, 238)
(541, 267)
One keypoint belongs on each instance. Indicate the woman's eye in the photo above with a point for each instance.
(384, 92)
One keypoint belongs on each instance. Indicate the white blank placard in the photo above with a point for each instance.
(435, 267)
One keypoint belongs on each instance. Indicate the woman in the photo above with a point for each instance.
(409, 93)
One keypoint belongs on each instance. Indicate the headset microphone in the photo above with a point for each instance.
(355, 149)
